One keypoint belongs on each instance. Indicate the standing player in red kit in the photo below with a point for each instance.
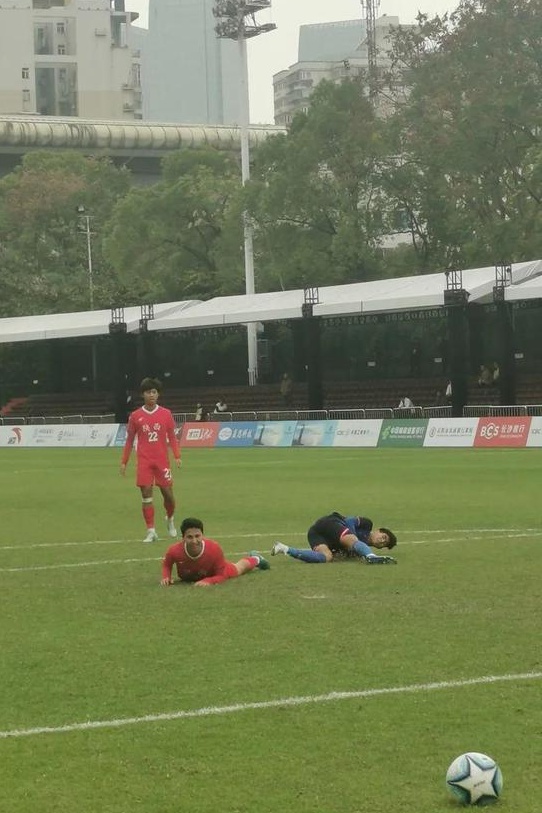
(154, 428)
(201, 560)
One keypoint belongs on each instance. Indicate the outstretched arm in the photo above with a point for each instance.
(361, 549)
(167, 567)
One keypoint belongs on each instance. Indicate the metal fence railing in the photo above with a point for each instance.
(437, 412)
(470, 411)
(492, 411)
(53, 420)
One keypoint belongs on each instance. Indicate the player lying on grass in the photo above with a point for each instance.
(154, 428)
(201, 560)
(335, 536)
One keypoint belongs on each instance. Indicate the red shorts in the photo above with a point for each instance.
(229, 571)
(153, 474)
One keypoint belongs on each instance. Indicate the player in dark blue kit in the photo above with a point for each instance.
(335, 536)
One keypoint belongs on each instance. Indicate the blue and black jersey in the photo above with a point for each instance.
(330, 529)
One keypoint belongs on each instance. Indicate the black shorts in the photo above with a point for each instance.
(327, 531)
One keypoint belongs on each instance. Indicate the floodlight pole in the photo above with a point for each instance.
(85, 219)
(86, 223)
(248, 230)
(236, 20)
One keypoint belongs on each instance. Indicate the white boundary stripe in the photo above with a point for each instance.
(100, 563)
(209, 711)
(78, 564)
(507, 532)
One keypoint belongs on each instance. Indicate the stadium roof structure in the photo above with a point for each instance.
(401, 294)
(35, 131)
(74, 325)
(424, 291)
(530, 289)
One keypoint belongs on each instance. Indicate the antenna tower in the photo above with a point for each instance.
(370, 10)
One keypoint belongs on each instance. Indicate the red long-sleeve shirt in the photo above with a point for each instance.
(154, 430)
(210, 566)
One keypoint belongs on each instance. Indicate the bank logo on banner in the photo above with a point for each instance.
(357, 433)
(12, 436)
(200, 434)
(535, 432)
(406, 432)
(45, 436)
(15, 437)
(120, 437)
(510, 431)
(314, 433)
(274, 433)
(451, 432)
(100, 434)
(237, 434)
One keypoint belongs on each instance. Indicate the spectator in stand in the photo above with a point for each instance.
(485, 379)
(405, 403)
(448, 392)
(200, 413)
(495, 373)
(221, 406)
(286, 388)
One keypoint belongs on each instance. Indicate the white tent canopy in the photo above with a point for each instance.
(424, 291)
(74, 325)
(530, 289)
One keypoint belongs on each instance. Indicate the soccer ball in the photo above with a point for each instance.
(474, 779)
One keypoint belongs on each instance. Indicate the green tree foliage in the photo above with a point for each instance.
(316, 196)
(181, 238)
(458, 162)
(468, 132)
(43, 252)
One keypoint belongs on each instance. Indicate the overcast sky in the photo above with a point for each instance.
(271, 53)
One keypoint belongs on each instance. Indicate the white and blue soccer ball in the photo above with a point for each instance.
(474, 779)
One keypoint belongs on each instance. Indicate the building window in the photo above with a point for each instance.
(61, 50)
(26, 95)
(136, 75)
(25, 73)
(60, 28)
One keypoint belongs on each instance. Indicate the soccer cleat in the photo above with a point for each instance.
(171, 529)
(373, 559)
(152, 536)
(263, 564)
(279, 547)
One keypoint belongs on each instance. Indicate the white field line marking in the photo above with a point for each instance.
(459, 531)
(102, 562)
(283, 702)
(78, 564)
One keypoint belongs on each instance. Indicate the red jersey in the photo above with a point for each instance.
(209, 565)
(154, 429)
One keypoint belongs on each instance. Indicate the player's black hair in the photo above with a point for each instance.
(392, 539)
(191, 522)
(150, 384)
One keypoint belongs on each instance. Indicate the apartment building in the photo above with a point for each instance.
(190, 76)
(332, 51)
(68, 58)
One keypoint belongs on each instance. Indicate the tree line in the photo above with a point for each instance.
(455, 165)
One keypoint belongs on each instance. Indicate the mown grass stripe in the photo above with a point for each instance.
(283, 702)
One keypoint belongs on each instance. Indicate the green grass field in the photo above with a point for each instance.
(237, 681)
